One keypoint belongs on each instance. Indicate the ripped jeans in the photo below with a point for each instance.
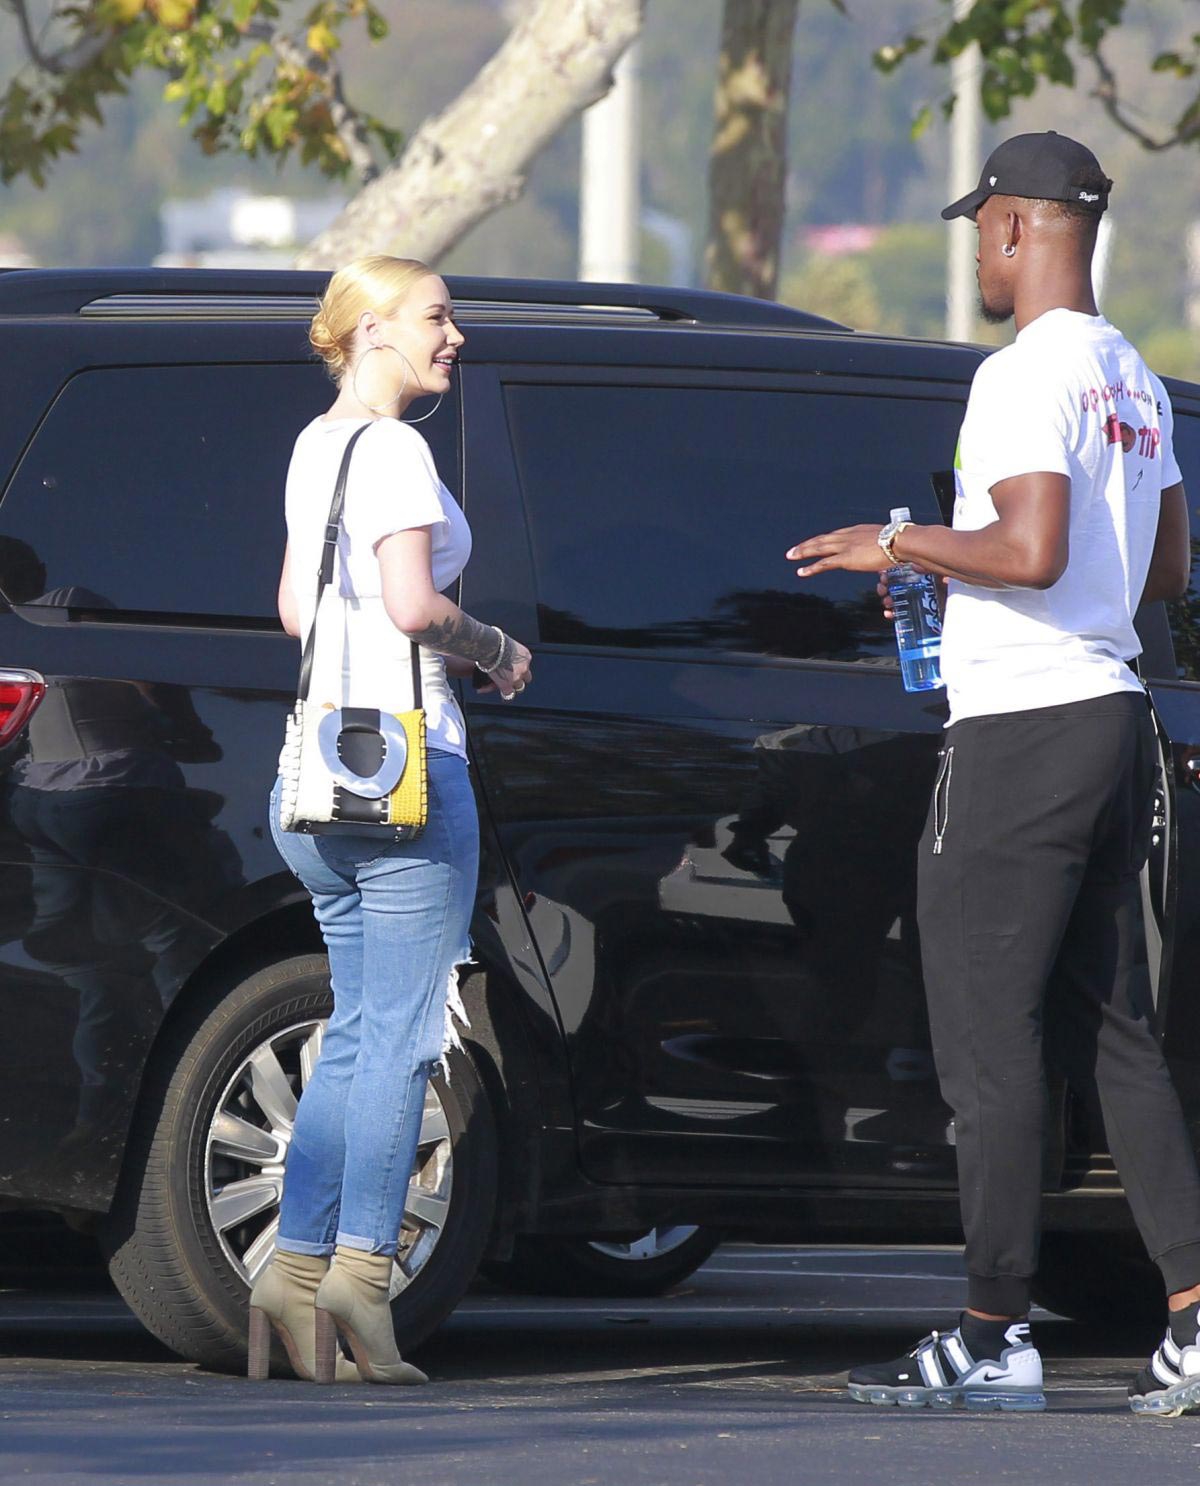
(395, 924)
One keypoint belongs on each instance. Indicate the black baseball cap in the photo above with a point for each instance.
(1049, 167)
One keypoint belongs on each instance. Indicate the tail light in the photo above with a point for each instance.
(20, 692)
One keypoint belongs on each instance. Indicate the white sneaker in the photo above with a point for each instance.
(940, 1373)
(1170, 1383)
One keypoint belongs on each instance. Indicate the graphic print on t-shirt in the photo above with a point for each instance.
(1147, 439)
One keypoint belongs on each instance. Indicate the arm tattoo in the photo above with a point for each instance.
(468, 639)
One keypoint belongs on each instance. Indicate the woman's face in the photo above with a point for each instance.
(423, 330)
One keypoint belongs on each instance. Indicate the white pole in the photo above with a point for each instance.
(965, 164)
(609, 195)
(1102, 259)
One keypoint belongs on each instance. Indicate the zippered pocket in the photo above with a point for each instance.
(941, 797)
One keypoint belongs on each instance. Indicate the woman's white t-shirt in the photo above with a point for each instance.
(392, 486)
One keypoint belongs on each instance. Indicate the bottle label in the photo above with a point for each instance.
(928, 600)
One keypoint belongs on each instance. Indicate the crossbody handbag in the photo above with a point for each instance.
(351, 769)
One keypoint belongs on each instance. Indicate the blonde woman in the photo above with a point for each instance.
(394, 919)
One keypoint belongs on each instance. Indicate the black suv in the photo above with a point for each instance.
(696, 1000)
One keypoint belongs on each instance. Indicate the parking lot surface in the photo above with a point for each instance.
(736, 1377)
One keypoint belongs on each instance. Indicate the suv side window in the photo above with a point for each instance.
(159, 490)
(1184, 613)
(660, 516)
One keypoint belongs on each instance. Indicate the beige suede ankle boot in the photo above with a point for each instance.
(283, 1298)
(353, 1299)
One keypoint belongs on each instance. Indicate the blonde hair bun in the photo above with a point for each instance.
(377, 282)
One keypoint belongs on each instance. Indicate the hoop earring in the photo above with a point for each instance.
(381, 407)
(429, 414)
(1009, 250)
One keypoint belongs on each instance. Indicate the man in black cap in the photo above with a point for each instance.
(1070, 511)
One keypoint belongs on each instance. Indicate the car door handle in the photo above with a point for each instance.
(1191, 767)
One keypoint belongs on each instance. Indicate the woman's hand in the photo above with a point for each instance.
(514, 673)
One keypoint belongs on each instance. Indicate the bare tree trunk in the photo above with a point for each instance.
(472, 158)
(748, 165)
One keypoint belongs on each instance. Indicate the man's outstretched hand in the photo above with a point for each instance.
(854, 549)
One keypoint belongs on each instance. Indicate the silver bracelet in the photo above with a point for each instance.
(502, 640)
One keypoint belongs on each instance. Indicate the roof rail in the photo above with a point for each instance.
(40, 292)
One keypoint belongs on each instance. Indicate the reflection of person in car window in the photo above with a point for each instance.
(23, 581)
(124, 860)
(123, 856)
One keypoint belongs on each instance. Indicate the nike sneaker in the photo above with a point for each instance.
(940, 1373)
(1170, 1383)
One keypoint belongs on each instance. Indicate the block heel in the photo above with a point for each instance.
(258, 1365)
(326, 1353)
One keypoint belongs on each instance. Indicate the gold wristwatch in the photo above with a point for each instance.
(887, 539)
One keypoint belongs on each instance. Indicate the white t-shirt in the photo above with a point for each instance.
(1073, 397)
(392, 486)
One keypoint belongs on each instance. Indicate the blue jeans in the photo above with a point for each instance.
(395, 923)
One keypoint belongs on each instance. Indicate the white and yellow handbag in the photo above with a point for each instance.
(351, 769)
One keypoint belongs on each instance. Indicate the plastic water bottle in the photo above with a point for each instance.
(918, 621)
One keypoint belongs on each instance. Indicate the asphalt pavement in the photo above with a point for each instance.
(737, 1377)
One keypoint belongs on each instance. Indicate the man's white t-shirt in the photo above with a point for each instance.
(392, 486)
(1073, 397)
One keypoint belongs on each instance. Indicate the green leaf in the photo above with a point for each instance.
(1096, 18)
(921, 122)
(280, 121)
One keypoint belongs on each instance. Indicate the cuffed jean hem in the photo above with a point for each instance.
(999, 1294)
(366, 1245)
(1180, 1267)
(303, 1246)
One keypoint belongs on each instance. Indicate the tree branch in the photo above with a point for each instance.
(1107, 93)
(79, 55)
(346, 120)
(472, 158)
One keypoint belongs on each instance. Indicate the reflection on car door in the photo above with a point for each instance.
(712, 797)
(1176, 881)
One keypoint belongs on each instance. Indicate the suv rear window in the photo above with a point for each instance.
(659, 516)
(159, 490)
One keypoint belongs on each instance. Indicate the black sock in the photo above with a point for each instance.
(983, 1338)
(1185, 1326)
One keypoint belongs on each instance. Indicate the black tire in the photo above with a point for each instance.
(163, 1251)
(540, 1265)
(1099, 1276)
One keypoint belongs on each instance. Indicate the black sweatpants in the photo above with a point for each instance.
(1028, 909)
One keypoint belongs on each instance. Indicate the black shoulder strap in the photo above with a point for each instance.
(325, 576)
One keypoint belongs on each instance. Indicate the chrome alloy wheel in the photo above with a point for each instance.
(653, 1245)
(246, 1148)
